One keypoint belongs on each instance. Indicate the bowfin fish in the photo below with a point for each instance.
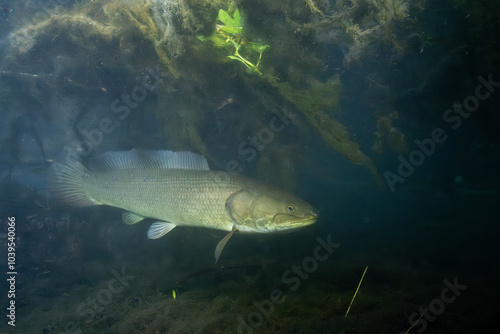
(179, 189)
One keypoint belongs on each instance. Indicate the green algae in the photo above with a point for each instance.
(312, 102)
(281, 41)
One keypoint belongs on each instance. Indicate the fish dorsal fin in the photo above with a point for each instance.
(139, 159)
(159, 229)
(131, 218)
(222, 243)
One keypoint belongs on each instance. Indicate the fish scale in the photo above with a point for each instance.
(182, 197)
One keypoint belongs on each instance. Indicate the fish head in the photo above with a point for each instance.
(267, 209)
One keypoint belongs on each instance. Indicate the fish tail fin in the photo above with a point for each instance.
(68, 183)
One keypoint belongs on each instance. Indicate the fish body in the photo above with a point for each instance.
(179, 196)
(178, 189)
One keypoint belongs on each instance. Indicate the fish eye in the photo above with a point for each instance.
(290, 208)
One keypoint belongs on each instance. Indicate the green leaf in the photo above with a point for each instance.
(259, 47)
(229, 21)
(217, 40)
(224, 17)
(237, 17)
(231, 30)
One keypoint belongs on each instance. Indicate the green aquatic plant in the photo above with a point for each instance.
(313, 102)
(77, 26)
(153, 22)
(229, 33)
(299, 31)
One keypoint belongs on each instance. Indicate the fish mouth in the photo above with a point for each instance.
(284, 219)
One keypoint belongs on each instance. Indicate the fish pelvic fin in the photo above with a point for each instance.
(131, 218)
(159, 229)
(67, 183)
(222, 243)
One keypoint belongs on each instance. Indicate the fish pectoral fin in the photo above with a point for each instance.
(222, 243)
(159, 229)
(131, 218)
